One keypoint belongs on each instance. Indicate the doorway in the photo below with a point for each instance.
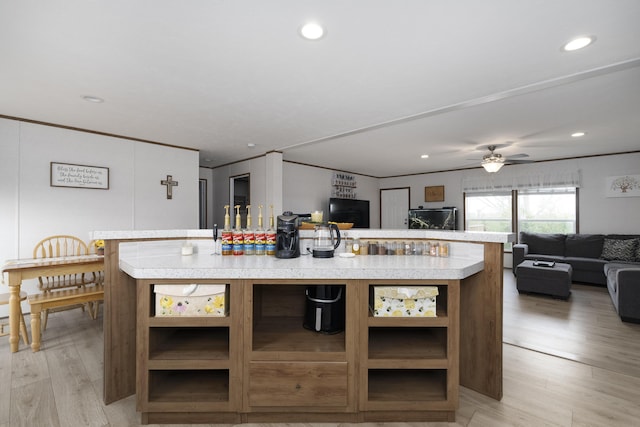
(203, 203)
(394, 208)
(239, 194)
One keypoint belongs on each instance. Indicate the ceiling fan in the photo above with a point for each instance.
(493, 162)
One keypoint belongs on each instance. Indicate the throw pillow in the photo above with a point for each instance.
(619, 250)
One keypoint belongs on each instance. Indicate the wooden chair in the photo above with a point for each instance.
(61, 246)
(4, 300)
(99, 276)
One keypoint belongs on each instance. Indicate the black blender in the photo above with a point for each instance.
(287, 236)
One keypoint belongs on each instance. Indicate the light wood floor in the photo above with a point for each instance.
(583, 370)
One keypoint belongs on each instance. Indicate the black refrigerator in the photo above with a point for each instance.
(436, 219)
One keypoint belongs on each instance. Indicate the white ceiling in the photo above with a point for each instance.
(391, 80)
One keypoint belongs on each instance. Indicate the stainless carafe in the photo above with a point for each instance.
(326, 239)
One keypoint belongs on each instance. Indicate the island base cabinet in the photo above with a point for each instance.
(313, 384)
(259, 364)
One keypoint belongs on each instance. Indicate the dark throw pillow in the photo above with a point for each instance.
(619, 250)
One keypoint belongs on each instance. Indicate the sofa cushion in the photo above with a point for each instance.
(586, 264)
(548, 244)
(619, 249)
(611, 271)
(584, 245)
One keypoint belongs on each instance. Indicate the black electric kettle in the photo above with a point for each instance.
(325, 241)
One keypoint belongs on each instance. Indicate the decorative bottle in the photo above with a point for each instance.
(261, 238)
(238, 238)
(227, 236)
(271, 235)
(217, 241)
(249, 235)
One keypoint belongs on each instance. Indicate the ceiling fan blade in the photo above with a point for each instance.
(516, 162)
(517, 156)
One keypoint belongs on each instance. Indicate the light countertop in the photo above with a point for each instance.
(163, 260)
(363, 233)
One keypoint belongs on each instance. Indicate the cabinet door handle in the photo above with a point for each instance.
(298, 386)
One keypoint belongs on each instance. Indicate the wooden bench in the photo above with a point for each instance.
(63, 297)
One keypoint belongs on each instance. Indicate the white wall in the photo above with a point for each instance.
(30, 209)
(307, 188)
(598, 213)
(256, 168)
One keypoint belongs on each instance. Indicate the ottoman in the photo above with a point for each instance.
(554, 281)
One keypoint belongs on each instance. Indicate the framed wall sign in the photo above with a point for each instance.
(434, 194)
(79, 176)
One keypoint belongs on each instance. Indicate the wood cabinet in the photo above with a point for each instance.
(290, 369)
(259, 364)
(188, 365)
(409, 365)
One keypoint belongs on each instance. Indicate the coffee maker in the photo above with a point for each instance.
(287, 236)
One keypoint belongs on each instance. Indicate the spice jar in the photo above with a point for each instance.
(373, 248)
(355, 246)
(444, 250)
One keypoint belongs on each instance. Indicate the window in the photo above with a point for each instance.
(543, 210)
(547, 210)
(488, 212)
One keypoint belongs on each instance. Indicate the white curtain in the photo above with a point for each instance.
(504, 181)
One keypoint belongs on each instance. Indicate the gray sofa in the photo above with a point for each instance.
(612, 260)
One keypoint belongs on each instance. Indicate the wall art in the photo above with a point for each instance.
(434, 194)
(623, 186)
(79, 176)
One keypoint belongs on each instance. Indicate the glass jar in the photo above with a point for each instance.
(355, 246)
(391, 248)
(373, 248)
(444, 250)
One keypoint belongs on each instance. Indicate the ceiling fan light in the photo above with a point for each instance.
(492, 165)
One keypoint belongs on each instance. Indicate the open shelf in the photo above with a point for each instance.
(407, 385)
(188, 343)
(189, 386)
(286, 334)
(278, 318)
(407, 343)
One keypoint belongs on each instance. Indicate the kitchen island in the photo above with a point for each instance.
(467, 346)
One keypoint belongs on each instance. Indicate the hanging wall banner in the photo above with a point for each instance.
(623, 186)
(79, 176)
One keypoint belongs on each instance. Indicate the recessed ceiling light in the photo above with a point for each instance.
(578, 43)
(312, 31)
(94, 99)
(424, 156)
(251, 145)
(578, 134)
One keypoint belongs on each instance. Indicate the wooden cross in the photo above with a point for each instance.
(170, 183)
